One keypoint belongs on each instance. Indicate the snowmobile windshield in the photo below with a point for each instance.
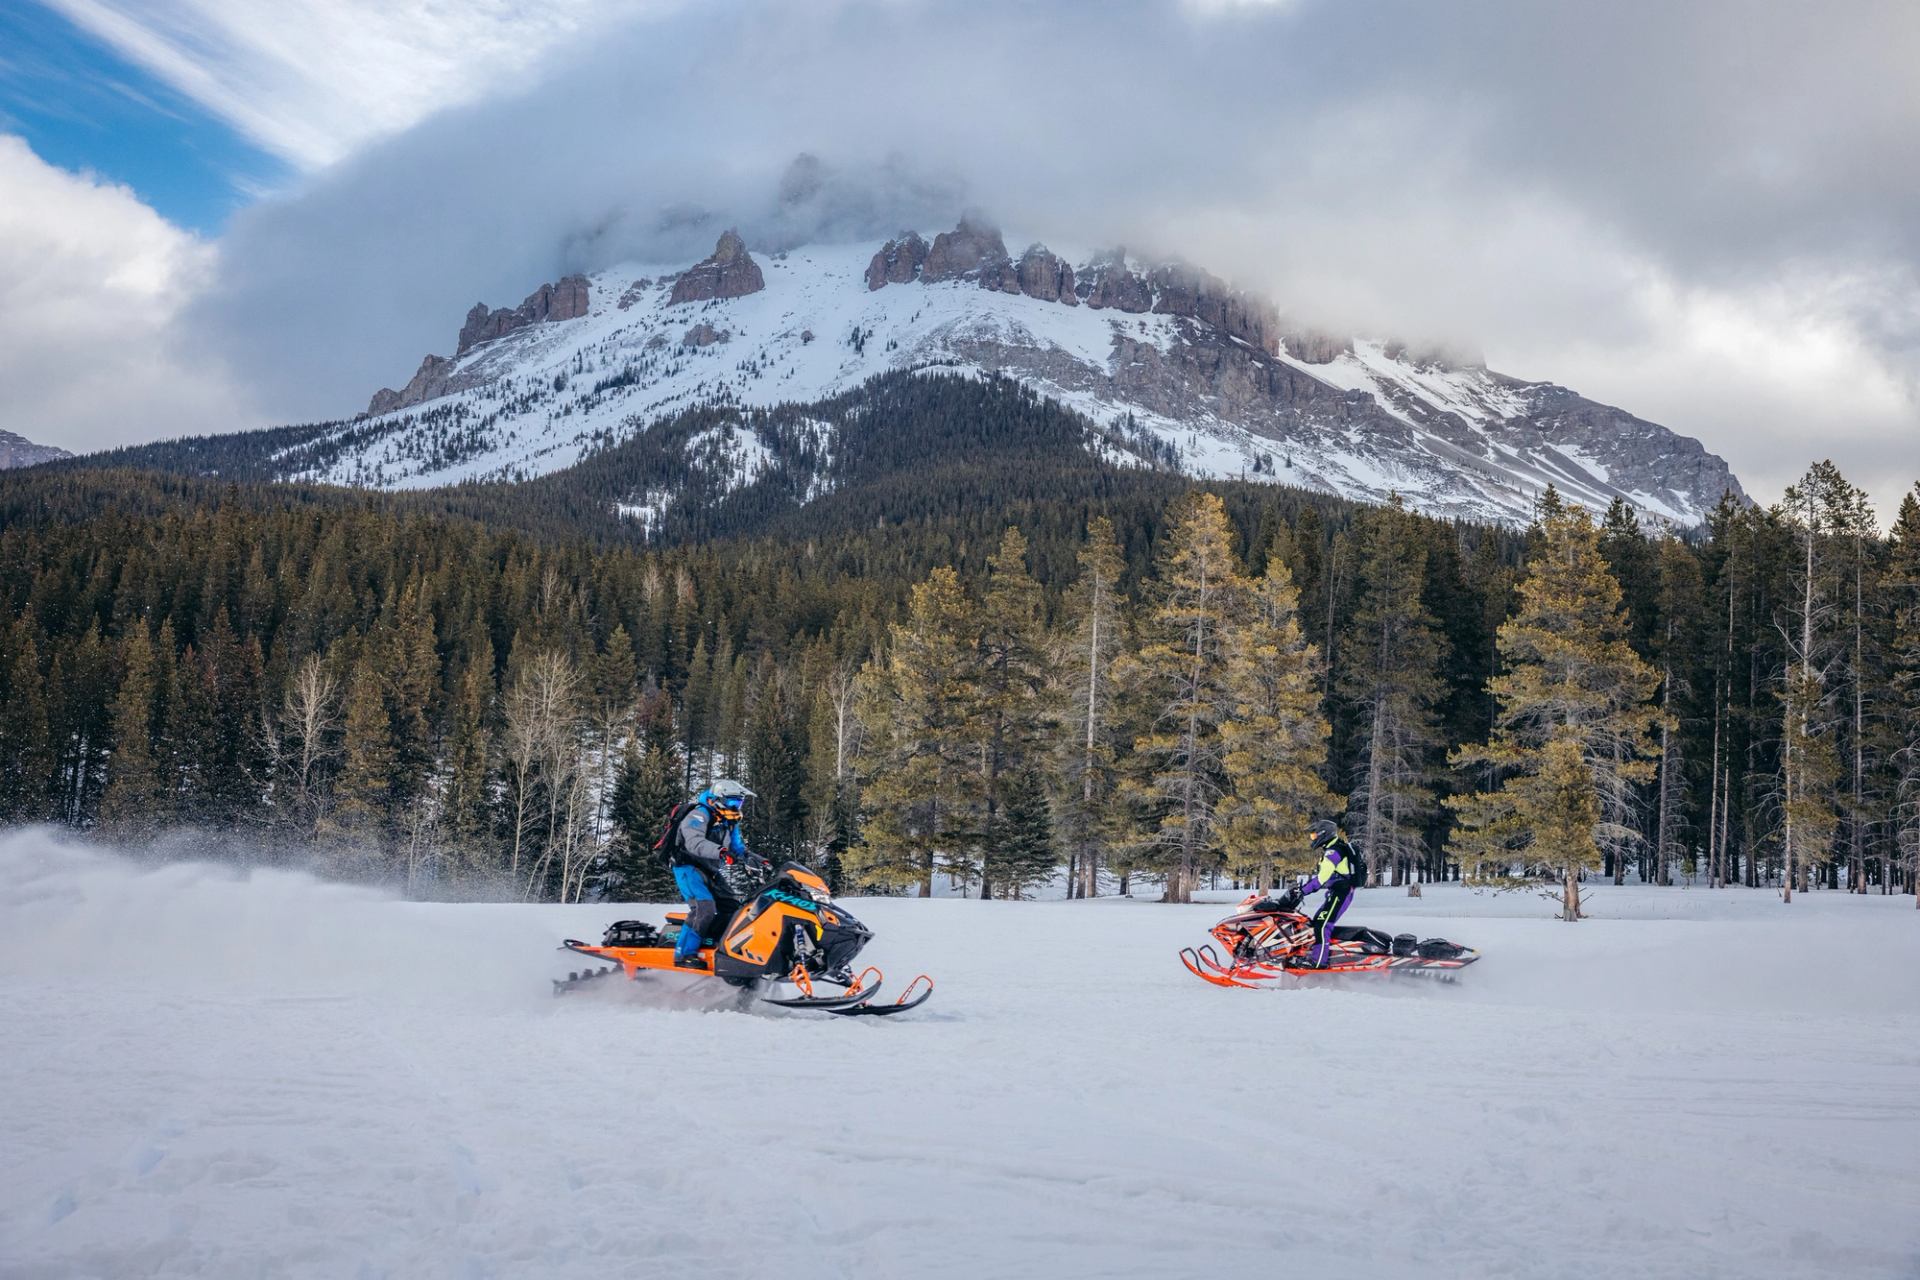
(805, 881)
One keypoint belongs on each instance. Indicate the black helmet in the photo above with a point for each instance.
(1324, 833)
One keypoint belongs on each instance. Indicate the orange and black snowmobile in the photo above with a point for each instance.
(787, 931)
(1268, 940)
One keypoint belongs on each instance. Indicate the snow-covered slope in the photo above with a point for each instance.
(212, 1075)
(1166, 352)
(18, 451)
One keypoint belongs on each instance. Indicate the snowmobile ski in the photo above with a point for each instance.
(829, 1003)
(908, 999)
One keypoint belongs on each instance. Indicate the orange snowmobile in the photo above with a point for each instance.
(788, 931)
(1268, 939)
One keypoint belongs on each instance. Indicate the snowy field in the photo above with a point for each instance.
(204, 1074)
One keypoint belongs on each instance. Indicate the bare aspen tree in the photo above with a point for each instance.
(309, 716)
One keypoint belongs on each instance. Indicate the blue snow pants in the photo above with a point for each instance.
(701, 911)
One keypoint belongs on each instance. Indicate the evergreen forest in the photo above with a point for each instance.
(985, 663)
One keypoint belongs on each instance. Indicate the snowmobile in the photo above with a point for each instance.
(786, 931)
(1269, 939)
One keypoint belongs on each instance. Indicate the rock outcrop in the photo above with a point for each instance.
(704, 335)
(565, 299)
(1183, 290)
(1044, 275)
(1109, 282)
(429, 382)
(1310, 347)
(898, 261)
(730, 273)
(968, 252)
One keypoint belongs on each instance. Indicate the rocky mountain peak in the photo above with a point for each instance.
(972, 250)
(18, 451)
(730, 272)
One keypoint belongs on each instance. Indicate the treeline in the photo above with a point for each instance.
(1117, 690)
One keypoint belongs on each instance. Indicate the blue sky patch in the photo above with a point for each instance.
(82, 107)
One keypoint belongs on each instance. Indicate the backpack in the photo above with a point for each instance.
(667, 844)
(1356, 865)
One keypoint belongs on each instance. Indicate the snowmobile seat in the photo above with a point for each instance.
(1372, 941)
(631, 933)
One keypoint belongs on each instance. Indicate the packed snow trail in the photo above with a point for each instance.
(205, 1073)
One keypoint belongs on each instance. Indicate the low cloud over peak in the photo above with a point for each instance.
(1705, 214)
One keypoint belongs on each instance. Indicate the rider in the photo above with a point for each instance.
(1340, 872)
(706, 841)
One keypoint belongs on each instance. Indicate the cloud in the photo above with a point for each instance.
(309, 81)
(1705, 213)
(91, 286)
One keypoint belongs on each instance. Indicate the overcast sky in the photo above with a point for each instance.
(1707, 213)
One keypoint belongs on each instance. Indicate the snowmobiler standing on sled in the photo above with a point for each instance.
(1341, 871)
(1269, 939)
(703, 841)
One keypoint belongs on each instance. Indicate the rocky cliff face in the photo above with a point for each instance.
(898, 261)
(568, 298)
(18, 451)
(970, 251)
(565, 299)
(730, 273)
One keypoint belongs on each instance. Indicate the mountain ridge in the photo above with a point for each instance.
(1175, 366)
(18, 451)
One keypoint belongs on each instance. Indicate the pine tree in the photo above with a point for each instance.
(1575, 720)
(647, 786)
(920, 780)
(1818, 510)
(1276, 738)
(361, 809)
(1012, 673)
(1025, 857)
(410, 680)
(1903, 597)
(776, 771)
(1178, 774)
(1676, 652)
(1394, 655)
(469, 798)
(135, 803)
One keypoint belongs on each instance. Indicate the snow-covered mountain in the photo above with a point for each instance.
(1183, 370)
(18, 451)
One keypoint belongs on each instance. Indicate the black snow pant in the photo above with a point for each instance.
(1339, 890)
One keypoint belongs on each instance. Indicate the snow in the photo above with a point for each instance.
(649, 511)
(734, 453)
(240, 1075)
(217, 1074)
